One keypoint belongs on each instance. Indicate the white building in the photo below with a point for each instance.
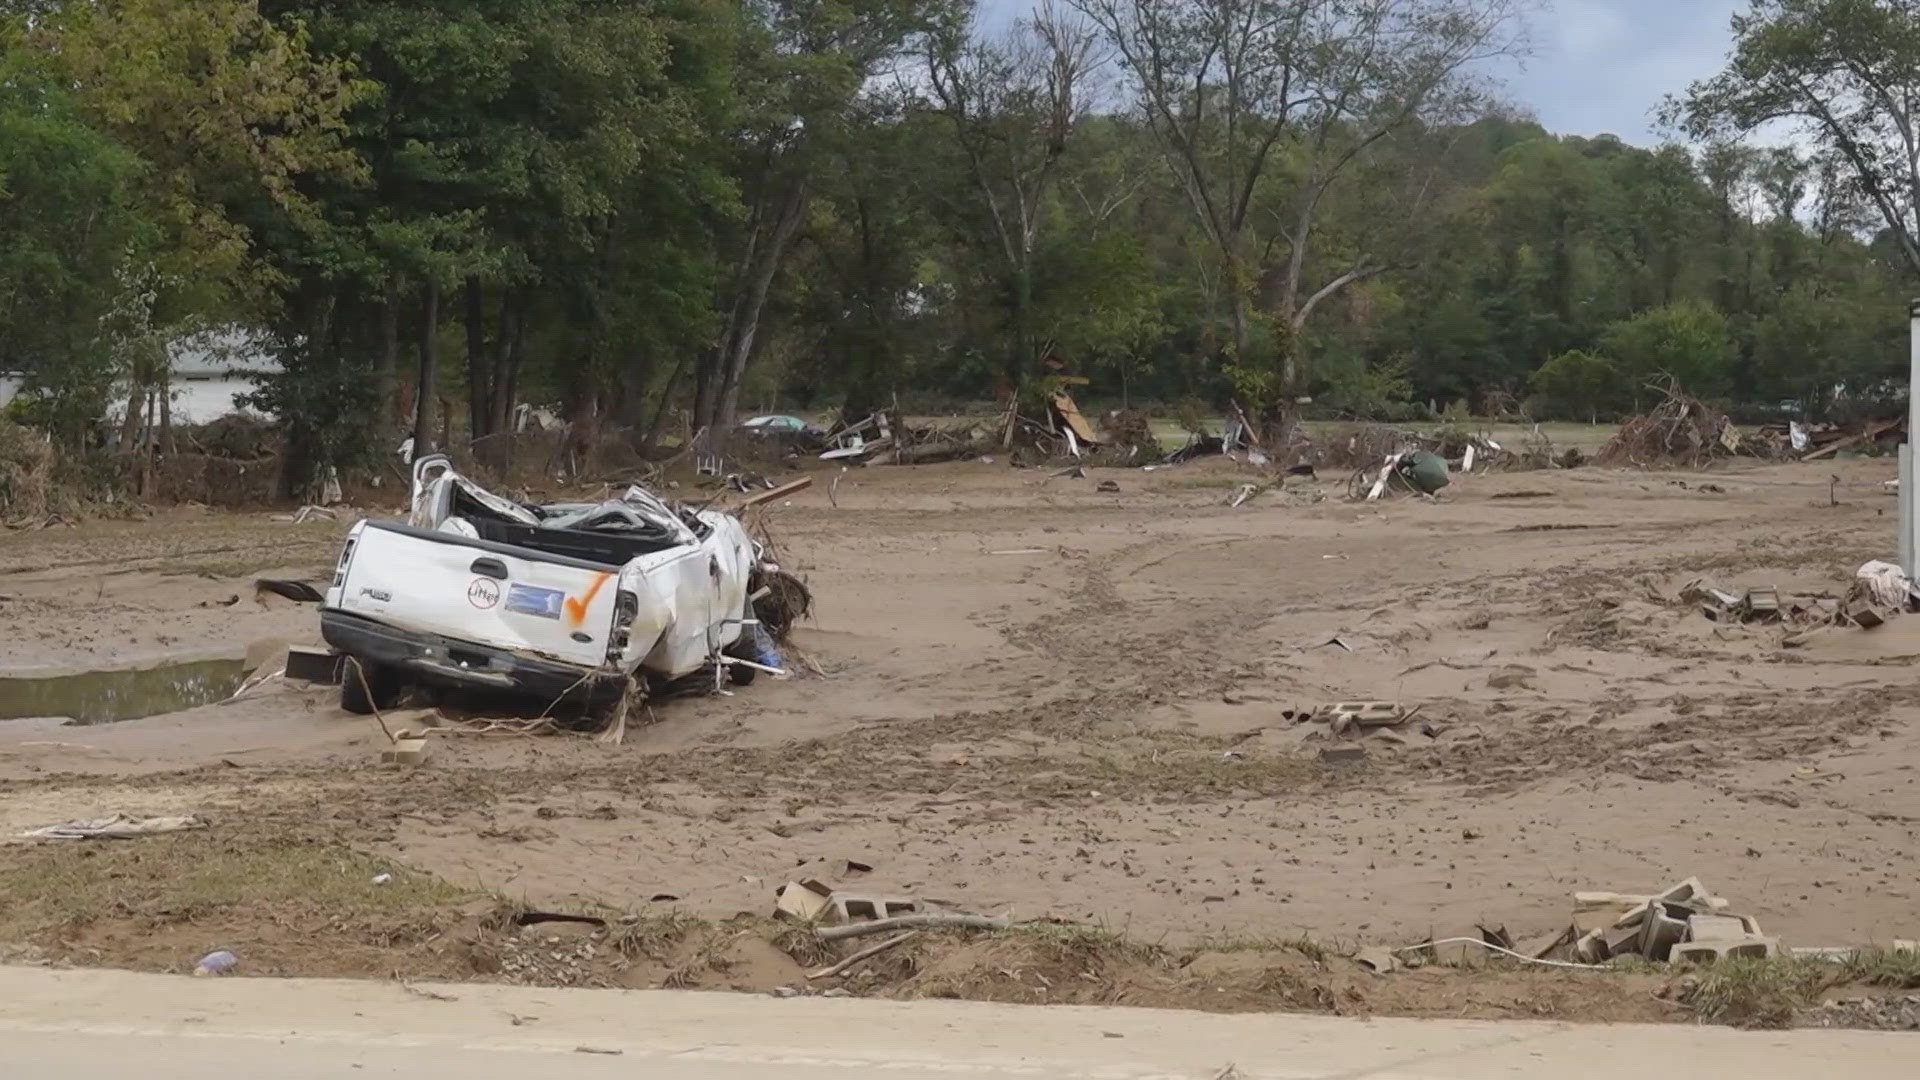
(209, 371)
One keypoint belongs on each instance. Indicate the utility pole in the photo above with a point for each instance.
(1909, 498)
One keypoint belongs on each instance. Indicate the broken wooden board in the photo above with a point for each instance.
(1063, 404)
(780, 492)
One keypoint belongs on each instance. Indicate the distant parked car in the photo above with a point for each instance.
(784, 428)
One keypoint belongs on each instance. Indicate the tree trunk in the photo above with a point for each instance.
(429, 372)
(130, 424)
(479, 372)
(743, 327)
(652, 438)
(389, 376)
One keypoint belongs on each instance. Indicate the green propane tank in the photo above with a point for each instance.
(1425, 472)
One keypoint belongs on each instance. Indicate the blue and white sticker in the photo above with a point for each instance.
(533, 600)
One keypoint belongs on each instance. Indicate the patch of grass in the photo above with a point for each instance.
(1084, 946)
(1895, 970)
(1317, 951)
(799, 941)
(1760, 993)
(651, 936)
(178, 878)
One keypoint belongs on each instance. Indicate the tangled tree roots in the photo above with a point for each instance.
(1680, 433)
(788, 600)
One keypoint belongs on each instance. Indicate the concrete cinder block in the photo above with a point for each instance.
(1660, 931)
(322, 667)
(1712, 952)
(801, 901)
(847, 908)
(405, 752)
(1721, 927)
(1344, 756)
(1364, 713)
(1622, 941)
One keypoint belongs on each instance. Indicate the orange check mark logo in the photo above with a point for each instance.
(577, 608)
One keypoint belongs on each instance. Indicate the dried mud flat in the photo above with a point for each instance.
(1045, 701)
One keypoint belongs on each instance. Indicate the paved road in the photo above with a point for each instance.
(97, 1025)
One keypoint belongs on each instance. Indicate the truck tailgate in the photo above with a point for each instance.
(473, 590)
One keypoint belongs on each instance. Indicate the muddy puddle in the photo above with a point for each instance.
(104, 697)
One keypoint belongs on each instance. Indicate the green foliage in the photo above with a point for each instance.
(1372, 391)
(1578, 385)
(623, 208)
(71, 223)
(1846, 75)
(1688, 342)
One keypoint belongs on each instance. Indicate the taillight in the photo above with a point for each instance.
(340, 572)
(626, 608)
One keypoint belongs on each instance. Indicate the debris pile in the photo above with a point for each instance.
(1061, 432)
(1879, 592)
(1684, 924)
(1682, 432)
(1130, 435)
(1758, 605)
(1352, 725)
(837, 915)
(1817, 442)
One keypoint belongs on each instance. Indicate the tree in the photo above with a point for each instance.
(69, 211)
(812, 61)
(1235, 90)
(1845, 75)
(1687, 342)
(1013, 105)
(1579, 385)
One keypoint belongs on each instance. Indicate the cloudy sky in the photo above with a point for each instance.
(1598, 66)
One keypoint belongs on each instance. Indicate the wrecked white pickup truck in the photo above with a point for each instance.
(573, 603)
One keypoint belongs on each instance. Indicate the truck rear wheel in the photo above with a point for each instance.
(368, 688)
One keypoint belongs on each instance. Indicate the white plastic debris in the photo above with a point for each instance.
(1887, 583)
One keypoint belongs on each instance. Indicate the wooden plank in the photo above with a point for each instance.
(1070, 413)
(1870, 434)
(780, 492)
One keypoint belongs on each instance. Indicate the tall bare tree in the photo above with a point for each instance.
(819, 58)
(1014, 104)
(1262, 107)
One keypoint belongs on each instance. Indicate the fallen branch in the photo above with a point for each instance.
(911, 922)
(863, 954)
(780, 492)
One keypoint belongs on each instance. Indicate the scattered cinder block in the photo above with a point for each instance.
(802, 901)
(1344, 756)
(867, 908)
(1364, 713)
(405, 752)
(322, 667)
(1864, 615)
(1622, 941)
(1721, 927)
(1712, 952)
(1660, 931)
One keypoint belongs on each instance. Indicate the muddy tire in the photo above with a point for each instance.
(368, 688)
(741, 674)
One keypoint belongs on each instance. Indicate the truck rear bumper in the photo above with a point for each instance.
(443, 661)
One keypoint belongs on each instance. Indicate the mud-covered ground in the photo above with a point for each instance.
(1046, 701)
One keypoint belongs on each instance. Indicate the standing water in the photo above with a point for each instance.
(103, 697)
